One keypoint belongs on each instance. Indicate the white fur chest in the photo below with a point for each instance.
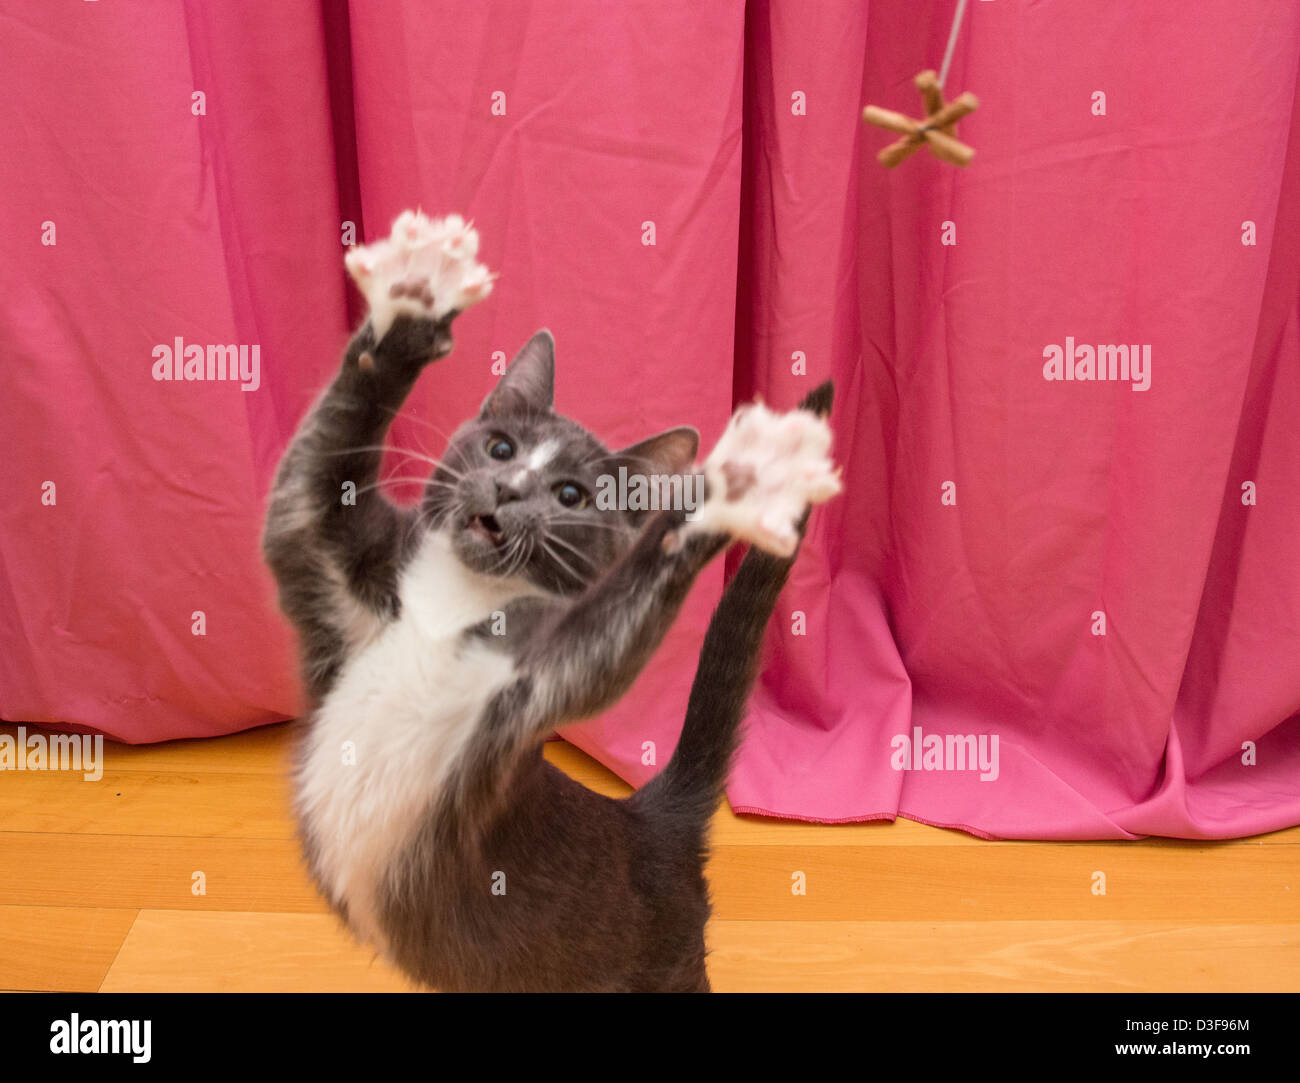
(399, 715)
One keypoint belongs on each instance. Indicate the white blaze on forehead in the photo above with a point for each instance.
(537, 458)
(542, 454)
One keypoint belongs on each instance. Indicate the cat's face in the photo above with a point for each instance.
(517, 488)
(524, 501)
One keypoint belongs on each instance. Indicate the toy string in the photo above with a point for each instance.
(952, 42)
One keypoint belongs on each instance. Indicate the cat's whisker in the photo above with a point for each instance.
(503, 565)
(403, 479)
(406, 453)
(525, 551)
(500, 562)
(428, 514)
(459, 460)
(455, 479)
(562, 562)
(404, 416)
(506, 565)
(564, 521)
(382, 448)
(572, 549)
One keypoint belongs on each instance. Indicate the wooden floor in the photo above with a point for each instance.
(97, 892)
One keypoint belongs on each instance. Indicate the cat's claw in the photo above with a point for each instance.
(425, 267)
(766, 468)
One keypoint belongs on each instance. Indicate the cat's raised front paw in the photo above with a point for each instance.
(766, 468)
(425, 267)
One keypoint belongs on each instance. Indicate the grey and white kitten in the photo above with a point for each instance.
(442, 644)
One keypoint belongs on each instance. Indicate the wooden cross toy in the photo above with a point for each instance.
(935, 131)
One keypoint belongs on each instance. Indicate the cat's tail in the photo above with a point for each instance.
(689, 787)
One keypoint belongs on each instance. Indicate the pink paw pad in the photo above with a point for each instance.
(765, 470)
(425, 267)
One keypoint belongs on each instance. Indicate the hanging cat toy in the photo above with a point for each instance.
(938, 130)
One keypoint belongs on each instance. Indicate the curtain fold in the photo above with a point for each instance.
(1064, 566)
(1090, 583)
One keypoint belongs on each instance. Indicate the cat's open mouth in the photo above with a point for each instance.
(486, 527)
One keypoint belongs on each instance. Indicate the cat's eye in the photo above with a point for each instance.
(571, 495)
(500, 448)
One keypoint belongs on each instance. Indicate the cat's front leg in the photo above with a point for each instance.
(333, 540)
(764, 473)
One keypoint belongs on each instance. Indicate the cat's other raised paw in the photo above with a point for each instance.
(765, 470)
(426, 267)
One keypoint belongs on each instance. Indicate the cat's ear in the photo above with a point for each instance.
(528, 385)
(670, 452)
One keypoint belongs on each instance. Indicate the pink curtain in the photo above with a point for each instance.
(1094, 579)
